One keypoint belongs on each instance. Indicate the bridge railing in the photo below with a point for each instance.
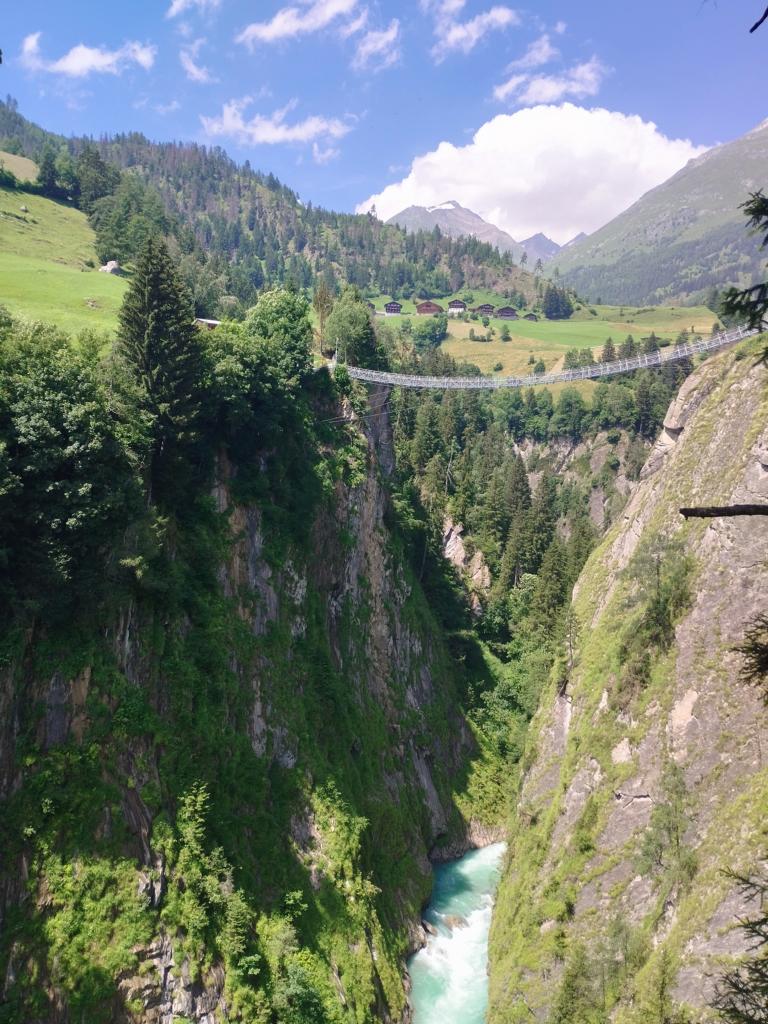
(595, 370)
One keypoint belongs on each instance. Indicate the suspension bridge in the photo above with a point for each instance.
(595, 370)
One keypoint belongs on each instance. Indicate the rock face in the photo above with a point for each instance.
(472, 567)
(335, 666)
(611, 759)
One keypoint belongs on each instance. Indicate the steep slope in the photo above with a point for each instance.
(456, 221)
(219, 795)
(49, 267)
(645, 778)
(680, 239)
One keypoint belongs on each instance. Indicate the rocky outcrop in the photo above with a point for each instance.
(689, 738)
(472, 567)
(335, 666)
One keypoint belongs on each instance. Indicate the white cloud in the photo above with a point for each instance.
(354, 26)
(323, 155)
(580, 81)
(82, 60)
(180, 6)
(188, 57)
(557, 169)
(168, 108)
(539, 52)
(455, 35)
(272, 129)
(290, 22)
(506, 89)
(560, 27)
(378, 49)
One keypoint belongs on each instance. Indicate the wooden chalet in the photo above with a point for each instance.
(371, 306)
(205, 324)
(507, 313)
(456, 307)
(393, 309)
(530, 316)
(485, 310)
(428, 308)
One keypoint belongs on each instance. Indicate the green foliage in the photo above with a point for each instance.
(125, 219)
(428, 332)
(95, 177)
(751, 304)
(663, 850)
(754, 650)
(556, 304)
(46, 173)
(281, 319)
(163, 354)
(66, 484)
(350, 332)
(660, 574)
(742, 990)
(577, 1000)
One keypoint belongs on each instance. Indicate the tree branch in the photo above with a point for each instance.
(715, 511)
(757, 24)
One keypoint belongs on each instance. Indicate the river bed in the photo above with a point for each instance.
(450, 974)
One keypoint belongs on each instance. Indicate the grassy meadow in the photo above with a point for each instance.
(48, 265)
(549, 340)
(24, 169)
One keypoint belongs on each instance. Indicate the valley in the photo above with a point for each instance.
(332, 702)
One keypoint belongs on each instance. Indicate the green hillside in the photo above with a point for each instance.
(681, 239)
(48, 265)
(24, 169)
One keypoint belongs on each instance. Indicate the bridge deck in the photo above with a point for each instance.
(597, 370)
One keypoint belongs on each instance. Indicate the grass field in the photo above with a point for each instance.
(550, 339)
(24, 169)
(44, 265)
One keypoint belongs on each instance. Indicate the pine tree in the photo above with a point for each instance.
(162, 350)
(609, 351)
(46, 174)
(518, 492)
(742, 992)
(551, 587)
(322, 300)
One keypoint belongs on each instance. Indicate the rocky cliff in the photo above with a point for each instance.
(645, 774)
(220, 800)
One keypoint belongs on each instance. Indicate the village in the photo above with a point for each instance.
(456, 308)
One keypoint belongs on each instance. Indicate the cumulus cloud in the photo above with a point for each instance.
(272, 129)
(195, 72)
(557, 169)
(81, 60)
(378, 50)
(182, 6)
(580, 81)
(453, 35)
(290, 22)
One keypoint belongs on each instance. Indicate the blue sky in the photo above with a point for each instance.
(340, 97)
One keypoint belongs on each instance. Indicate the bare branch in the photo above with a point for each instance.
(715, 511)
(757, 24)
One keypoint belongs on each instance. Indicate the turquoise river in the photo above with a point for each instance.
(450, 974)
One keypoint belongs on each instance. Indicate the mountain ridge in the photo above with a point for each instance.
(456, 221)
(681, 239)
